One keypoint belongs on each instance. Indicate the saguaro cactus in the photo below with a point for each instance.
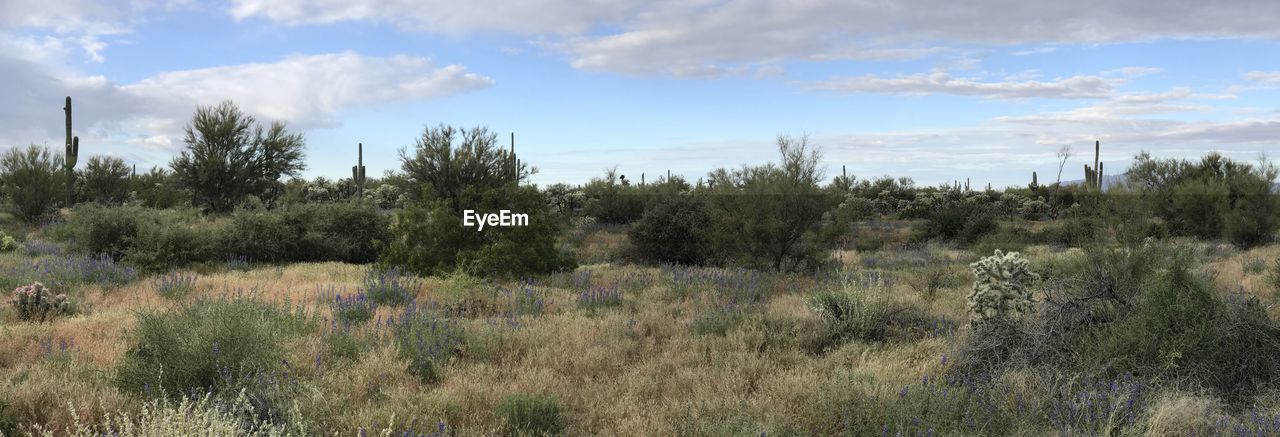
(357, 171)
(71, 156)
(999, 287)
(1035, 181)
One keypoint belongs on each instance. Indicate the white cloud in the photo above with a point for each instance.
(1035, 51)
(938, 82)
(1263, 77)
(306, 91)
(642, 37)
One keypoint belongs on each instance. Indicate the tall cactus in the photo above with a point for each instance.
(357, 171)
(71, 156)
(1035, 181)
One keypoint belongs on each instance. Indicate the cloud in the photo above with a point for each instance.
(667, 37)
(305, 91)
(938, 82)
(1269, 78)
(1035, 51)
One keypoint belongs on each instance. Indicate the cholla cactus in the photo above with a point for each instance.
(1000, 287)
(35, 302)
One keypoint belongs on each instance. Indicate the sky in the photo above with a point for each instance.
(937, 90)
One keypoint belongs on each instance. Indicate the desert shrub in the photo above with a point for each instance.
(345, 231)
(931, 277)
(1008, 239)
(1182, 332)
(261, 235)
(609, 201)
(206, 345)
(1215, 197)
(596, 297)
(1000, 287)
(175, 285)
(32, 179)
(671, 232)
(8, 243)
(35, 302)
(771, 216)
(165, 241)
(426, 340)
(1273, 276)
(855, 315)
(389, 286)
(530, 415)
(105, 230)
(719, 321)
(353, 309)
(429, 237)
(105, 180)
(200, 415)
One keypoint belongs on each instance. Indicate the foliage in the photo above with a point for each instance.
(769, 216)
(1273, 276)
(205, 345)
(1000, 287)
(610, 201)
(530, 415)
(1215, 197)
(35, 302)
(8, 243)
(353, 309)
(671, 232)
(200, 415)
(158, 188)
(175, 285)
(426, 340)
(105, 179)
(348, 232)
(389, 286)
(429, 237)
(31, 178)
(229, 157)
(1182, 332)
(166, 240)
(448, 162)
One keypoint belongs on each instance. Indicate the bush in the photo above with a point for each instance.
(531, 415)
(206, 345)
(8, 243)
(36, 303)
(609, 201)
(353, 309)
(1182, 332)
(105, 231)
(1273, 276)
(672, 232)
(32, 179)
(105, 180)
(390, 286)
(426, 340)
(165, 241)
(429, 238)
(347, 232)
(175, 285)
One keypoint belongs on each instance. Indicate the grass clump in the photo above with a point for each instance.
(175, 285)
(353, 309)
(204, 345)
(426, 340)
(390, 286)
(531, 415)
(205, 415)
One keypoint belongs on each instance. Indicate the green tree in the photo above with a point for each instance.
(770, 215)
(31, 179)
(447, 161)
(105, 179)
(229, 157)
(158, 188)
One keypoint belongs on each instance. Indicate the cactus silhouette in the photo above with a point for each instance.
(71, 156)
(357, 171)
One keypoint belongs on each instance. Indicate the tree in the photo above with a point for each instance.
(105, 179)
(31, 180)
(158, 188)
(769, 216)
(447, 161)
(230, 157)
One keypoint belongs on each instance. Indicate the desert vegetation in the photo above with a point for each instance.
(217, 297)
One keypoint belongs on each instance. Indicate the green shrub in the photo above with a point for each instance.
(36, 303)
(530, 415)
(33, 180)
(429, 237)
(8, 243)
(200, 415)
(426, 340)
(718, 321)
(671, 232)
(103, 230)
(165, 242)
(390, 286)
(206, 345)
(1182, 332)
(349, 232)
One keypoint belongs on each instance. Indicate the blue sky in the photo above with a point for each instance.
(930, 89)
